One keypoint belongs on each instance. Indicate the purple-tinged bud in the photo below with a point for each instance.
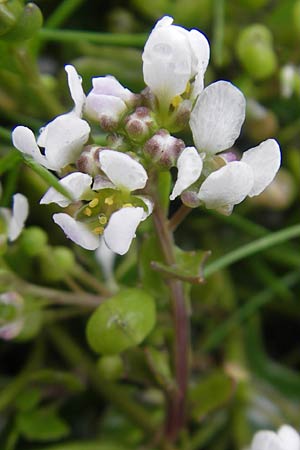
(181, 116)
(164, 149)
(190, 199)
(89, 160)
(140, 124)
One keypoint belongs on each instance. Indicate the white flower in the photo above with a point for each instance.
(124, 174)
(63, 137)
(172, 57)
(108, 100)
(15, 219)
(286, 438)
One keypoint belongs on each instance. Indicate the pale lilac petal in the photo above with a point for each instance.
(264, 160)
(19, 215)
(24, 140)
(189, 166)
(98, 106)
(77, 231)
(75, 86)
(125, 172)
(66, 136)
(121, 229)
(76, 183)
(267, 440)
(289, 437)
(227, 186)
(217, 117)
(167, 60)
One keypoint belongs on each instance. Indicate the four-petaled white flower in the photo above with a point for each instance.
(63, 138)
(286, 438)
(123, 174)
(108, 100)
(14, 219)
(216, 122)
(172, 57)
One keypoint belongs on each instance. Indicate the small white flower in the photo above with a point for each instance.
(172, 57)
(63, 137)
(287, 438)
(15, 219)
(123, 174)
(108, 100)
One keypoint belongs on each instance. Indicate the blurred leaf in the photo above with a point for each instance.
(42, 425)
(84, 445)
(66, 379)
(9, 161)
(121, 322)
(28, 399)
(212, 392)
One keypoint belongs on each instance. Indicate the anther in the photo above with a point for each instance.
(94, 202)
(109, 201)
(87, 211)
(102, 219)
(98, 230)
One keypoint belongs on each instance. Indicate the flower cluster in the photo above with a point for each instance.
(110, 186)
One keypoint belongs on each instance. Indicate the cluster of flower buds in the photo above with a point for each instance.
(109, 185)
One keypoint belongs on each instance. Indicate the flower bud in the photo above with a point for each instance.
(190, 199)
(88, 162)
(30, 21)
(140, 124)
(110, 367)
(108, 102)
(33, 241)
(10, 12)
(11, 320)
(164, 149)
(255, 51)
(56, 263)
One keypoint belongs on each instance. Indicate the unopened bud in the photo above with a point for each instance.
(56, 263)
(10, 12)
(164, 149)
(140, 124)
(28, 24)
(33, 241)
(190, 199)
(256, 53)
(110, 367)
(89, 160)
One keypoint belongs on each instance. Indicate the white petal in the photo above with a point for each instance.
(75, 86)
(264, 160)
(66, 136)
(77, 231)
(189, 169)
(217, 117)
(227, 186)
(124, 171)
(98, 105)
(101, 182)
(76, 183)
(110, 86)
(167, 60)
(19, 215)
(149, 205)
(267, 440)
(24, 140)
(121, 229)
(200, 50)
(289, 437)
(106, 259)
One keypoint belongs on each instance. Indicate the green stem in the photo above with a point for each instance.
(178, 217)
(123, 40)
(5, 134)
(115, 394)
(252, 248)
(177, 402)
(64, 10)
(88, 279)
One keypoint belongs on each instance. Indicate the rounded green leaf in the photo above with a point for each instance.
(121, 322)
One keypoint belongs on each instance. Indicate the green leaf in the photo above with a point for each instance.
(211, 393)
(189, 266)
(9, 161)
(28, 399)
(47, 176)
(121, 322)
(84, 445)
(42, 425)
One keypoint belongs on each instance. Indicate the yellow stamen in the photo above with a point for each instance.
(87, 211)
(102, 219)
(94, 202)
(109, 201)
(127, 205)
(176, 101)
(98, 230)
